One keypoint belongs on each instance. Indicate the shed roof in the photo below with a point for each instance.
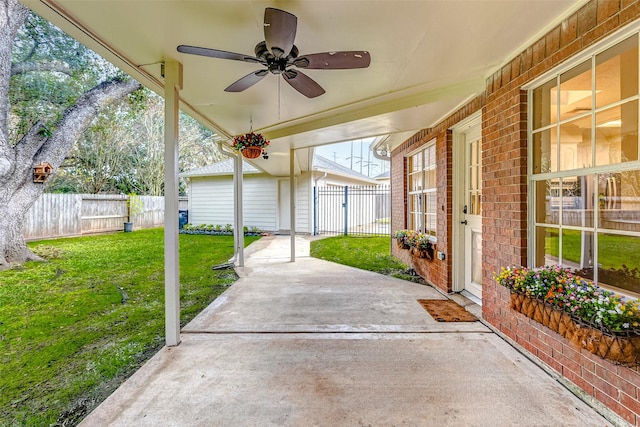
(323, 164)
(320, 163)
(224, 167)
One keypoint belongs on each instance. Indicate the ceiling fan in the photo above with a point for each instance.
(280, 56)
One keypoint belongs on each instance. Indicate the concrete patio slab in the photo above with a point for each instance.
(312, 295)
(313, 343)
(460, 379)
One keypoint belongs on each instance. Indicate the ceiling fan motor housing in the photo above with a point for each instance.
(275, 64)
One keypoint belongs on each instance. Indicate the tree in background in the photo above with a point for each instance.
(123, 151)
(51, 90)
(98, 160)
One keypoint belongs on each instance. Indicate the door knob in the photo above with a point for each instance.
(463, 222)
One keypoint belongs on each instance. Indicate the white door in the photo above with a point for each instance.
(471, 218)
(284, 207)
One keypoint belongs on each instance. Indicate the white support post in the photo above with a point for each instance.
(292, 202)
(172, 86)
(238, 211)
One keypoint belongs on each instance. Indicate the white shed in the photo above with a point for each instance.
(265, 197)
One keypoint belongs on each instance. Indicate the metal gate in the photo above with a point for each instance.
(352, 210)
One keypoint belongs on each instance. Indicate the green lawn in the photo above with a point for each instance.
(73, 328)
(372, 253)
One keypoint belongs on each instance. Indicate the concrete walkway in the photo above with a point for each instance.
(313, 343)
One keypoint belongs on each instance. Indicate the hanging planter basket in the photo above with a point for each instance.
(251, 145)
(251, 152)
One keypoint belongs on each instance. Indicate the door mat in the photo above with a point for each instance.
(445, 310)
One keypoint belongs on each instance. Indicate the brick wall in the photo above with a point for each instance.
(504, 108)
(436, 272)
(504, 128)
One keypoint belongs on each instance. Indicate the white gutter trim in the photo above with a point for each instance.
(381, 142)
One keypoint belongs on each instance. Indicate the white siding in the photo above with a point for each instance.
(260, 195)
(211, 201)
(304, 215)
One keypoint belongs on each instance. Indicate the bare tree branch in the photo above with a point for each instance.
(77, 118)
(27, 67)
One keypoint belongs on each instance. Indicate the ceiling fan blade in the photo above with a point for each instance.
(246, 81)
(344, 60)
(279, 31)
(215, 53)
(303, 83)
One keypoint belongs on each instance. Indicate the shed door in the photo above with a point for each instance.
(284, 207)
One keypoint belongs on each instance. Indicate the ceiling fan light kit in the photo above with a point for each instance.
(278, 54)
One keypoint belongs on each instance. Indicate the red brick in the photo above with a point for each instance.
(630, 402)
(526, 59)
(587, 17)
(575, 355)
(607, 8)
(515, 67)
(506, 74)
(617, 381)
(550, 361)
(566, 362)
(578, 380)
(629, 14)
(540, 346)
(568, 30)
(552, 42)
(601, 385)
(631, 375)
(617, 407)
(600, 31)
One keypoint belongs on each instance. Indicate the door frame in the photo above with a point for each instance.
(458, 193)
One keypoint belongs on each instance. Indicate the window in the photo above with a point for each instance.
(422, 189)
(585, 168)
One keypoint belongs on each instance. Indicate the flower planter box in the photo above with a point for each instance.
(402, 244)
(421, 253)
(619, 347)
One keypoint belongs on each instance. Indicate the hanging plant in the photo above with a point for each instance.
(251, 145)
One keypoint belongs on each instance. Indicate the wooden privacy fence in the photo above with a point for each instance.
(63, 215)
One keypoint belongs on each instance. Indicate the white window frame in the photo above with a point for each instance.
(532, 179)
(424, 191)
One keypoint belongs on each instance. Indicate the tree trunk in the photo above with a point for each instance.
(18, 192)
(13, 248)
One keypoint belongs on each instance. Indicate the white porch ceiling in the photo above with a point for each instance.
(427, 57)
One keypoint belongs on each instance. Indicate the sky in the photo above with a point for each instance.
(351, 154)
